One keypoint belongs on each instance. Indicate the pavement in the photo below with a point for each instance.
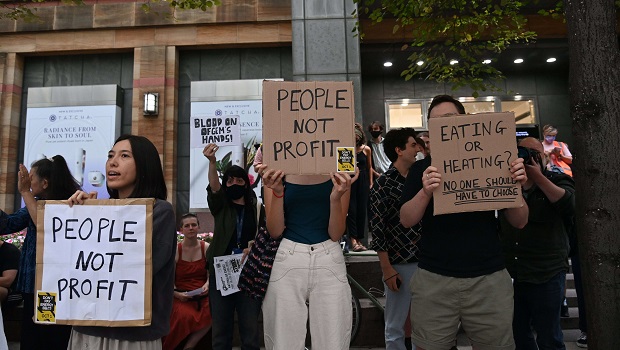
(570, 337)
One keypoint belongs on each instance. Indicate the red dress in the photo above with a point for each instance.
(189, 316)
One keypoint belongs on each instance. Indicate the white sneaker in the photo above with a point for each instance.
(582, 342)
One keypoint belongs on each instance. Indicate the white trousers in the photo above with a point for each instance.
(315, 274)
(3, 344)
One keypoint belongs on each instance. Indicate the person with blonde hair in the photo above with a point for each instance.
(560, 157)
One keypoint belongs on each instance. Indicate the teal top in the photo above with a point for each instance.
(306, 212)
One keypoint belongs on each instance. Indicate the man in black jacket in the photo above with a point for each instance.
(537, 255)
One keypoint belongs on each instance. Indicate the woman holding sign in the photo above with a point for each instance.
(48, 179)
(134, 170)
(237, 213)
(309, 212)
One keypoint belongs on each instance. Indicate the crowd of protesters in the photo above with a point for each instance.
(498, 275)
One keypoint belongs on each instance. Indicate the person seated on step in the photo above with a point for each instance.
(191, 315)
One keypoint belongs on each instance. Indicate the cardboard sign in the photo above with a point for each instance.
(304, 123)
(221, 130)
(473, 154)
(94, 263)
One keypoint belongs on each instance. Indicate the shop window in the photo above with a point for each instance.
(405, 114)
(524, 110)
(412, 113)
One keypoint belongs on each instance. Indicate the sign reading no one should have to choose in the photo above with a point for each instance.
(94, 264)
(473, 154)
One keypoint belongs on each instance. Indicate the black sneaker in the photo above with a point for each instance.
(582, 342)
(564, 311)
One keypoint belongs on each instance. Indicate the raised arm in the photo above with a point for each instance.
(339, 204)
(517, 217)
(369, 162)
(413, 210)
(209, 153)
(274, 199)
(23, 185)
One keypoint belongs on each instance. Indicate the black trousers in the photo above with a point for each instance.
(37, 336)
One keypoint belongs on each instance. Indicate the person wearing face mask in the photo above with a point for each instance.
(234, 208)
(421, 151)
(558, 153)
(536, 255)
(380, 162)
(424, 136)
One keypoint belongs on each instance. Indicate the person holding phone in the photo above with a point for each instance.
(559, 155)
(536, 255)
(395, 244)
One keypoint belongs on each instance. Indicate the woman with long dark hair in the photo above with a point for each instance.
(48, 179)
(133, 170)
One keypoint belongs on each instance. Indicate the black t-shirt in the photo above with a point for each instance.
(9, 259)
(460, 245)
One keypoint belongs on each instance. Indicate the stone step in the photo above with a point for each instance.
(365, 269)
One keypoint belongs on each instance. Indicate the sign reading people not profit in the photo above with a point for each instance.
(473, 154)
(305, 124)
(220, 130)
(94, 263)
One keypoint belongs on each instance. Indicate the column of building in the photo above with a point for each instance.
(324, 46)
(156, 71)
(11, 78)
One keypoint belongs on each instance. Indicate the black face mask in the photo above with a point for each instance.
(375, 134)
(234, 192)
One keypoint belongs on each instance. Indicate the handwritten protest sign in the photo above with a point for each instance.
(94, 263)
(473, 154)
(227, 271)
(221, 130)
(304, 123)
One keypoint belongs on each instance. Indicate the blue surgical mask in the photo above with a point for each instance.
(549, 139)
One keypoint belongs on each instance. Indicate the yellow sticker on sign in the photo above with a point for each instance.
(346, 159)
(46, 307)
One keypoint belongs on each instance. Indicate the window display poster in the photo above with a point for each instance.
(251, 128)
(83, 135)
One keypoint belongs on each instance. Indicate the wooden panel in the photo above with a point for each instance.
(270, 10)
(114, 15)
(73, 17)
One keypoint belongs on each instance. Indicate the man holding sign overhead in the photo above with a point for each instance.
(461, 275)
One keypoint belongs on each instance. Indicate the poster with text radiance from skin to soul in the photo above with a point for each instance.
(250, 118)
(473, 154)
(94, 262)
(83, 135)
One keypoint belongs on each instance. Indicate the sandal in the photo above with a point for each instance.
(359, 248)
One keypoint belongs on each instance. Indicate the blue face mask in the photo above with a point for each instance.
(549, 139)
